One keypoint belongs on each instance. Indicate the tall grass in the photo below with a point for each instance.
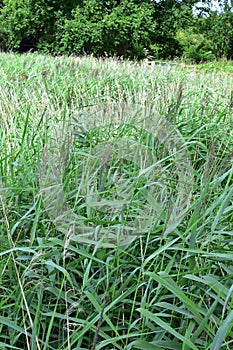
(162, 289)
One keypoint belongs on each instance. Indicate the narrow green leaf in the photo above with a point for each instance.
(222, 332)
(19, 249)
(9, 323)
(4, 346)
(167, 327)
(59, 268)
(223, 205)
(167, 344)
(144, 345)
(160, 250)
(168, 283)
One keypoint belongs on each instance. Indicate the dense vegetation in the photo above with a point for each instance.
(171, 287)
(131, 28)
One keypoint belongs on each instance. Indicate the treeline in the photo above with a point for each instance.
(164, 29)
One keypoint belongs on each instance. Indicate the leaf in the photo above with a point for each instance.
(7, 322)
(19, 249)
(223, 205)
(221, 333)
(160, 250)
(168, 283)
(59, 268)
(144, 345)
(167, 327)
(4, 346)
(157, 344)
(228, 298)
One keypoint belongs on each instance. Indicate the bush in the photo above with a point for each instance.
(121, 30)
(196, 47)
(14, 24)
(31, 22)
(93, 26)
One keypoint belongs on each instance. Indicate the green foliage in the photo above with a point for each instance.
(15, 23)
(164, 30)
(31, 23)
(91, 26)
(131, 26)
(83, 31)
(195, 46)
(95, 28)
(169, 291)
(220, 32)
(170, 15)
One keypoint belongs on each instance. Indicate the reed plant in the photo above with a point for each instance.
(168, 286)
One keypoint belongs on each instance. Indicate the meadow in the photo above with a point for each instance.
(116, 204)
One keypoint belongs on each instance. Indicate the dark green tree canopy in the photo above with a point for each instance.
(130, 28)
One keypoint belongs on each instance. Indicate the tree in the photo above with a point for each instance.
(129, 28)
(171, 16)
(220, 30)
(31, 21)
(122, 28)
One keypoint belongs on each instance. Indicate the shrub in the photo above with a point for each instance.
(196, 47)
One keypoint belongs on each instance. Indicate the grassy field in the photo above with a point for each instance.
(116, 205)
